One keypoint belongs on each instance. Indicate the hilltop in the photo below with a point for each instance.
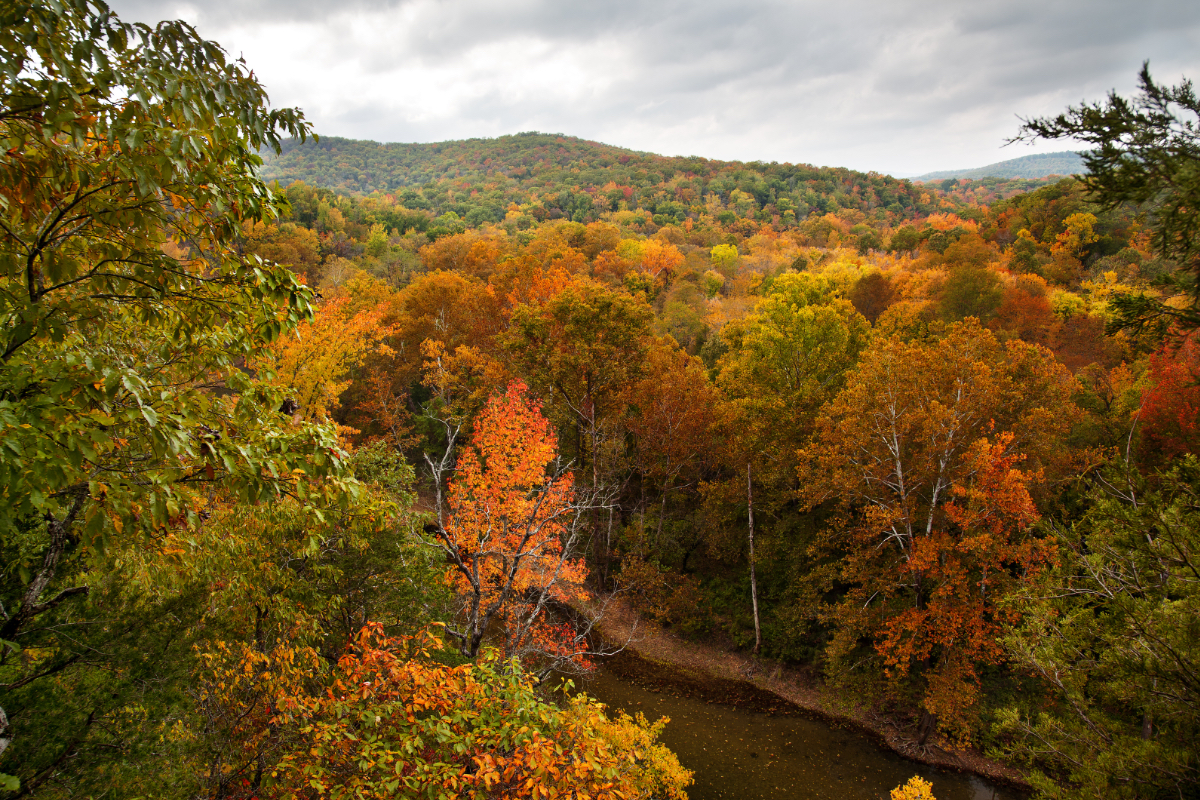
(480, 180)
(1035, 166)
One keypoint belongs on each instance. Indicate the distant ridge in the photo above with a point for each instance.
(1035, 166)
(480, 179)
(472, 182)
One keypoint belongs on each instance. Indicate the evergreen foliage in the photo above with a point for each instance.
(1147, 152)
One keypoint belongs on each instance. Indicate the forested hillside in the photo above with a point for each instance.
(549, 176)
(310, 488)
(1034, 166)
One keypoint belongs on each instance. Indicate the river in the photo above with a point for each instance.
(738, 752)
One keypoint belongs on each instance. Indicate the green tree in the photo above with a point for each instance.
(128, 160)
(789, 357)
(1115, 630)
(1146, 152)
(784, 362)
(971, 292)
(905, 239)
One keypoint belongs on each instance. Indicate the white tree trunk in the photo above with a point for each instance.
(753, 578)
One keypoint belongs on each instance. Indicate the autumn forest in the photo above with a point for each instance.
(324, 461)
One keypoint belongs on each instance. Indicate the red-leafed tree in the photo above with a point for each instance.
(920, 452)
(968, 563)
(511, 526)
(1171, 406)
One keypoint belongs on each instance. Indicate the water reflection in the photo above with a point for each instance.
(743, 754)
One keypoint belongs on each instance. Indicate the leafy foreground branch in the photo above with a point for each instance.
(1116, 633)
(127, 167)
(392, 722)
(1146, 152)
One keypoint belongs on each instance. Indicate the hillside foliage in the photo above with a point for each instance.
(311, 487)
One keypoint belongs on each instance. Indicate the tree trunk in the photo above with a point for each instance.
(603, 560)
(753, 578)
(927, 725)
(662, 512)
(31, 604)
(1148, 719)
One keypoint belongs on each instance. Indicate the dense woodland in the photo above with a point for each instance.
(312, 487)
(455, 185)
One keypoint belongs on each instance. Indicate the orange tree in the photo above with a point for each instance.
(580, 347)
(1170, 412)
(671, 412)
(920, 453)
(511, 527)
(446, 308)
(286, 705)
(671, 415)
(389, 721)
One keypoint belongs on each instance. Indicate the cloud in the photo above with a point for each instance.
(904, 87)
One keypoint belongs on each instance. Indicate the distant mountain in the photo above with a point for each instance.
(555, 176)
(1036, 166)
(479, 179)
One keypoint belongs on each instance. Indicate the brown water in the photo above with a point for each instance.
(745, 754)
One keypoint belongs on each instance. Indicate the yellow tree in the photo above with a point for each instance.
(286, 244)
(1070, 246)
(316, 362)
(917, 788)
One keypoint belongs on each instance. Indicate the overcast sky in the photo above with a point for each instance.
(895, 87)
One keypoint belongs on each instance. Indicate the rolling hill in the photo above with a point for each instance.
(480, 180)
(1034, 166)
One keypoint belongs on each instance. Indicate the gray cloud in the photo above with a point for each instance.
(893, 86)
